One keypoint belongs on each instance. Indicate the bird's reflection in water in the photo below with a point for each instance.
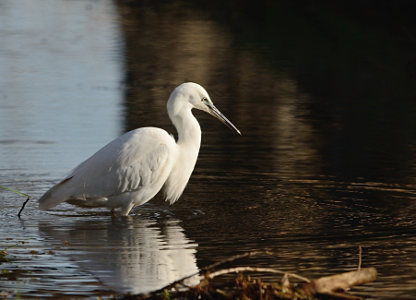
(128, 254)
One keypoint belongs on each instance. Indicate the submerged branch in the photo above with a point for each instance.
(23, 206)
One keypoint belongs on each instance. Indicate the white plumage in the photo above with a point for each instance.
(133, 168)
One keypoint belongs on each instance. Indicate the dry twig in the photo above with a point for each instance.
(252, 269)
(207, 269)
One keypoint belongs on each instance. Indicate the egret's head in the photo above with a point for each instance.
(197, 97)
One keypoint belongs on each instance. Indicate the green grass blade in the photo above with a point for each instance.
(15, 191)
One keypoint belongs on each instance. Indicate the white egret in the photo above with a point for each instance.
(134, 167)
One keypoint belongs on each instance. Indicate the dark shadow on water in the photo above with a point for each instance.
(352, 66)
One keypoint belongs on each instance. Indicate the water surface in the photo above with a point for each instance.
(326, 161)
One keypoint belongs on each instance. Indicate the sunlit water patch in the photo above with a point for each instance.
(60, 83)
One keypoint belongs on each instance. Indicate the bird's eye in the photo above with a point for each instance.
(204, 99)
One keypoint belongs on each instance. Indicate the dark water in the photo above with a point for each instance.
(324, 98)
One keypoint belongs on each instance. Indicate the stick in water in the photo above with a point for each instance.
(20, 193)
(23, 206)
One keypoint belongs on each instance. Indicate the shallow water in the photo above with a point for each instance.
(325, 164)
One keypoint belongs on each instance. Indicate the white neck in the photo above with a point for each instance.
(188, 144)
(189, 131)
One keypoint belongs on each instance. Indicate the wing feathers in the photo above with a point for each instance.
(55, 195)
(131, 162)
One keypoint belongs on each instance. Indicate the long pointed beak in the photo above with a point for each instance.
(213, 111)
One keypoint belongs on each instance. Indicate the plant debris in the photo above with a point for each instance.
(3, 256)
(19, 193)
(247, 287)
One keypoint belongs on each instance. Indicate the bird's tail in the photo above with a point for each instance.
(57, 194)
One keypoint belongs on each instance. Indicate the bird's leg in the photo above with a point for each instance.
(124, 210)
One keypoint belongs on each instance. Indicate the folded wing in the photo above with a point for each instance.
(133, 161)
